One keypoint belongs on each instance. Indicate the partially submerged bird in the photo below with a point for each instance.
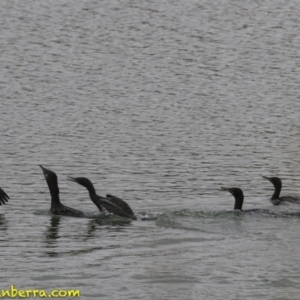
(238, 195)
(3, 197)
(276, 199)
(111, 203)
(57, 207)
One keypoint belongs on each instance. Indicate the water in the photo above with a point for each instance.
(161, 103)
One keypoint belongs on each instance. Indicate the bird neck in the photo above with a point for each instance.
(276, 192)
(55, 201)
(96, 200)
(91, 190)
(238, 203)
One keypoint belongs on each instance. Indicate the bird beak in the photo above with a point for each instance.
(44, 171)
(72, 179)
(265, 177)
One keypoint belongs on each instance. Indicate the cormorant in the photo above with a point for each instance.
(56, 207)
(275, 199)
(238, 195)
(3, 197)
(111, 203)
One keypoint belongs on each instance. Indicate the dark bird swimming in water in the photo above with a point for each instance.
(3, 197)
(275, 199)
(111, 203)
(238, 195)
(56, 207)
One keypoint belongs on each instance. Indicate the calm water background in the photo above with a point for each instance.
(161, 103)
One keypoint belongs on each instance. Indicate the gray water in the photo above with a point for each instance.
(160, 103)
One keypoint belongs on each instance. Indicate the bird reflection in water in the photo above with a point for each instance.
(3, 222)
(52, 235)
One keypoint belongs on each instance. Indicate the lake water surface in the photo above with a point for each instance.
(160, 103)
